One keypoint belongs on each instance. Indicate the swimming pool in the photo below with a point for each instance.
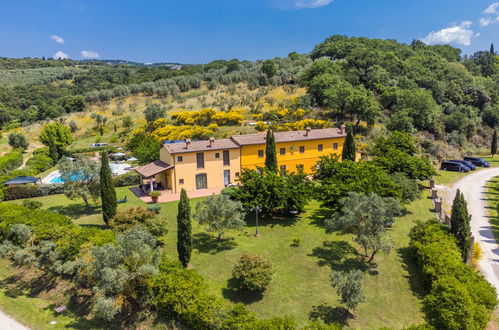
(55, 177)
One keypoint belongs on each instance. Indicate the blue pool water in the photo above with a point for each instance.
(74, 177)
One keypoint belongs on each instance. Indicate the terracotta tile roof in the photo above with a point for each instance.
(153, 168)
(290, 136)
(204, 145)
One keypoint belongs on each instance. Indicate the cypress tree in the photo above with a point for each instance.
(270, 152)
(348, 152)
(184, 240)
(107, 191)
(492, 50)
(460, 224)
(53, 152)
(493, 144)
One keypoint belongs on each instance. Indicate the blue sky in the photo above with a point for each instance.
(198, 31)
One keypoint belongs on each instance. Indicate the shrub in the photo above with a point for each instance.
(128, 179)
(11, 161)
(132, 217)
(18, 140)
(253, 273)
(296, 242)
(30, 204)
(477, 254)
(40, 162)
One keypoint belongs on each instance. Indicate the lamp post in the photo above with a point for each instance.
(257, 209)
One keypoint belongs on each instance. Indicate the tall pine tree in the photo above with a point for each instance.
(107, 191)
(270, 152)
(493, 144)
(184, 230)
(348, 152)
(460, 224)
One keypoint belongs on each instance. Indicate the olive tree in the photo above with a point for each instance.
(220, 213)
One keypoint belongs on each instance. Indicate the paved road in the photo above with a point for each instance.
(473, 188)
(8, 323)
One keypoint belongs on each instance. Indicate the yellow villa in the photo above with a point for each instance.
(212, 164)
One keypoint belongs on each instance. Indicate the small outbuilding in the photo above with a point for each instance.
(22, 180)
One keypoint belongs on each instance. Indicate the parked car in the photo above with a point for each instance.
(477, 161)
(449, 165)
(466, 163)
(95, 145)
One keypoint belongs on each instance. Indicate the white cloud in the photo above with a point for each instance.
(57, 39)
(299, 4)
(60, 54)
(487, 21)
(492, 9)
(457, 34)
(89, 54)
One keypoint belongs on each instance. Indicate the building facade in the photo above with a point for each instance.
(217, 163)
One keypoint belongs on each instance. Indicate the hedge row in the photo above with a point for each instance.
(11, 161)
(128, 179)
(459, 297)
(31, 191)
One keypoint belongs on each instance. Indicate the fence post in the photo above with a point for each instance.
(438, 206)
(432, 183)
(434, 193)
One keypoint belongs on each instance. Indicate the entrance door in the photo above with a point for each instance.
(201, 182)
(226, 177)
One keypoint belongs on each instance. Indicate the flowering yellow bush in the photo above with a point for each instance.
(303, 124)
(260, 126)
(208, 115)
(172, 132)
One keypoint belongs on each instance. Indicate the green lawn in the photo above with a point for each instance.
(301, 284)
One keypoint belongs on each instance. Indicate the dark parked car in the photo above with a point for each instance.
(450, 165)
(477, 161)
(466, 163)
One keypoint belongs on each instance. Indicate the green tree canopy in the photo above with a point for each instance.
(107, 191)
(220, 213)
(366, 216)
(81, 178)
(184, 230)
(270, 152)
(348, 285)
(460, 224)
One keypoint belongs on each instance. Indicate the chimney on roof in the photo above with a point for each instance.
(343, 129)
(212, 140)
(307, 131)
(187, 143)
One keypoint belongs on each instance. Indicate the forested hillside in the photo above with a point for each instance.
(449, 100)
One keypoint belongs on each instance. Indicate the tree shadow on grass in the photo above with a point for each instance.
(414, 276)
(340, 256)
(206, 243)
(271, 219)
(236, 295)
(76, 211)
(330, 315)
(320, 216)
